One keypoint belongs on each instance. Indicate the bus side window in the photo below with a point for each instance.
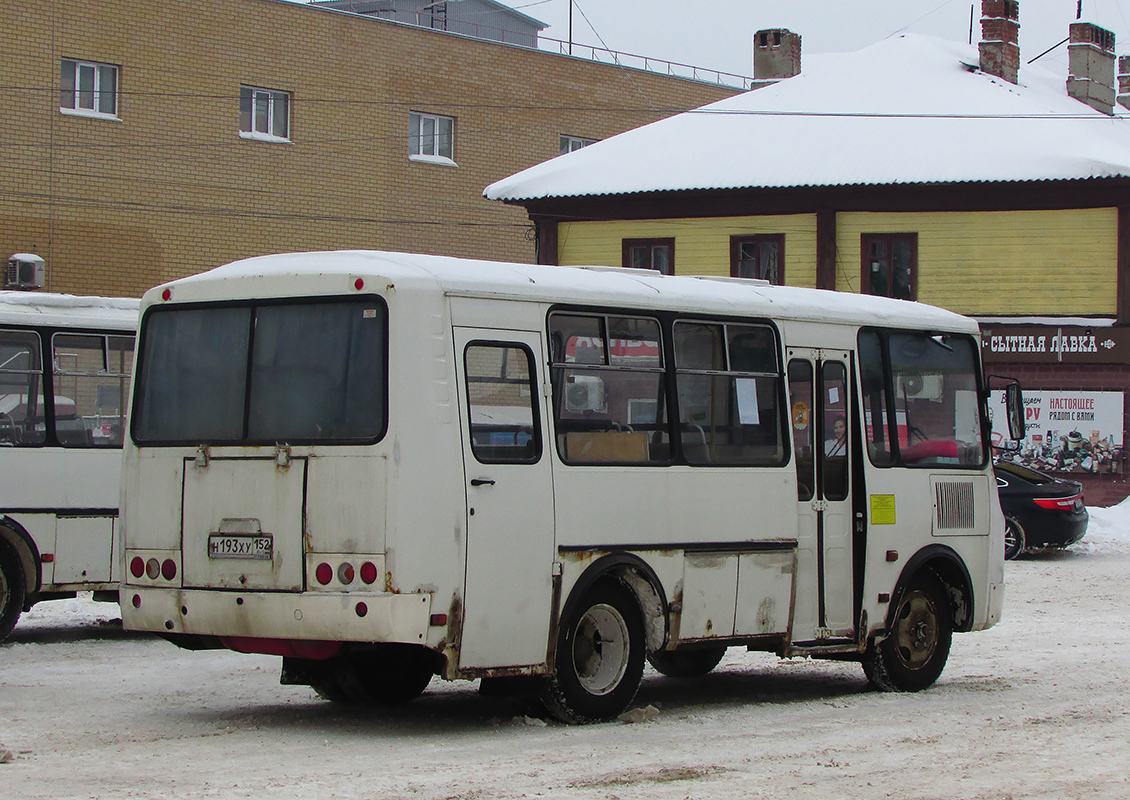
(501, 401)
(876, 428)
(22, 419)
(91, 388)
(609, 387)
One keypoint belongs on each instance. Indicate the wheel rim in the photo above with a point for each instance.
(600, 649)
(1011, 539)
(916, 631)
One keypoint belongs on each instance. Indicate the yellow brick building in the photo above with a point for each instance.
(164, 182)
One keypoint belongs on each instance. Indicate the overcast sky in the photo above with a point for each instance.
(718, 34)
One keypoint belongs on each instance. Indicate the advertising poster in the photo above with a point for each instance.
(1067, 431)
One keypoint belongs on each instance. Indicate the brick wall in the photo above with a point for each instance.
(169, 188)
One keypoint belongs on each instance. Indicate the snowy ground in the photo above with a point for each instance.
(1033, 708)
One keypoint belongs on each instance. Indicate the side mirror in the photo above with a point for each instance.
(1014, 408)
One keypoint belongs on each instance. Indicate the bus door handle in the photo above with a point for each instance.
(482, 482)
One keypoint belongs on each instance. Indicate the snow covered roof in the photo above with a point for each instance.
(910, 109)
(45, 308)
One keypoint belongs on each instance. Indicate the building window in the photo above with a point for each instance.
(432, 138)
(264, 114)
(88, 88)
(890, 265)
(761, 257)
(571, 143)
(656, 254)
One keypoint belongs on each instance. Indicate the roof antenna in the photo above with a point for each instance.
(971, 6)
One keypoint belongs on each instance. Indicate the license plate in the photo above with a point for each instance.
(226, 545)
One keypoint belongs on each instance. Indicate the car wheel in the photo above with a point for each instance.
(1013, 539)
(686, 663)
(12, 589)
(600, 655)
(917, 645)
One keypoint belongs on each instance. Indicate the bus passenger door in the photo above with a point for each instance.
(821, 405)
(510, 546)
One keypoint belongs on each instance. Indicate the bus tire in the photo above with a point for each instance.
(600, 656)
(686, 663)
(1013, 539)
(916, 647)
(391, 675)
(12, 589)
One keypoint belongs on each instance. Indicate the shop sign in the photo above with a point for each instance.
(1051, 344)
(1067, 431)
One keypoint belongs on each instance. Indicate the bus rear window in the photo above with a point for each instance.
(260, 374)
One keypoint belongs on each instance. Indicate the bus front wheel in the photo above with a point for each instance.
(600, 656)
(917, 645)
(12, 590)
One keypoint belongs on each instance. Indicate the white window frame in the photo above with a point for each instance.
(571, 143)
(264, 108)
(430, 146)
(90, 101)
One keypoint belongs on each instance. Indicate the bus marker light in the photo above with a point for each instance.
(362, 609)
(137, 566)
(165, 295)
(368, 572)
(152, 568)
(47, 558)
(892, 555)
(346, 573)
(324, 573)
(168, 569)
(359, 284)
(438, 620)
(137, 601)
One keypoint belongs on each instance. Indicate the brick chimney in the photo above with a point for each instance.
(1090, 66)
(1000, 32)
(1124, 81)
(776, 54)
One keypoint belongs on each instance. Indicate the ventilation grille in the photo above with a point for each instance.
(954, 505)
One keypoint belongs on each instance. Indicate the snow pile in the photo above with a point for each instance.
(1108, 529)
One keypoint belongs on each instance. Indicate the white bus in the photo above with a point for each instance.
(384, 467)
(65, 365)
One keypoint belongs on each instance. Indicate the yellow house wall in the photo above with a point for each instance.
(1002, 262)
(1059, 262)
(702, 246)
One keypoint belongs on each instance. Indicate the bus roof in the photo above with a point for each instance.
(608, 286)
(43, 308)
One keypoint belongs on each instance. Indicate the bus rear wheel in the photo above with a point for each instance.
(390, 675)
(686, 663)
(600, 656)
(12, 590)
(917, 646)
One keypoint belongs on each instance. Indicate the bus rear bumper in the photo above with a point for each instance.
(352, 617)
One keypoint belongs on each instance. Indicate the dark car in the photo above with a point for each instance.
(1041, 512)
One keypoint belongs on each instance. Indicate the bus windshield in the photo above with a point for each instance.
(921, 399)
(262, 373)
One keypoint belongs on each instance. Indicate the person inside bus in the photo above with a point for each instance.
(836, 443)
